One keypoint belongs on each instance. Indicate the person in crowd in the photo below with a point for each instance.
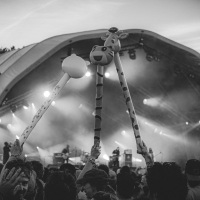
(46, 174)
(15, 179)
(92, 179)
(95, 180)
(116, 154)
(192, 171)
(127, 184)
(26, 186)
(166, 181)
(6, 152)
(66, 152)
(39, 169)
(60, 186)
(68, 168)
(112, 182)
(104, 168)
(1, 166)
(104, 196)
(113, 179)
(32, 187)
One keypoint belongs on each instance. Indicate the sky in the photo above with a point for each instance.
(24, 22)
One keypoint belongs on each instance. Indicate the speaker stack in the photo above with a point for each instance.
(58, 159)
(127, 158)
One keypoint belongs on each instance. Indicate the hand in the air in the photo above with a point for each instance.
(16, 149)
(95, 151)
(142, 149)
(9, 181)
(145, 153)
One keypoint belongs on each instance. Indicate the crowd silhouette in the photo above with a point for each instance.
(30, 180)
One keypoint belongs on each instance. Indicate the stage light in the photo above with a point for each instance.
(53, 103)
(26, 155)
(33, 108)
(106, 157)
(132, 54)
(17, 137)
(145, 101)
(123, 132)
(13, 108)
(136, 159)
(186, 123)
(154, 102)
(88, 74)
(149, 57)
(37, 147)
(0, 120)
(25, 107)
(107, 75)
(9, 125)
(46, 94)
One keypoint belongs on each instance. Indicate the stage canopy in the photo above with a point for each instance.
(163, 78)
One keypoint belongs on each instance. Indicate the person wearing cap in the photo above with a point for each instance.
(95, 180)
(192, 171)
(92, 179)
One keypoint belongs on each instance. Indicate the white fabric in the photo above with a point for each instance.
(20, 67)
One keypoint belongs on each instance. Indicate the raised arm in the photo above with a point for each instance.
(95, 152)
(145, 153)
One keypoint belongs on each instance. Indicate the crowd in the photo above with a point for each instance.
(30, 180)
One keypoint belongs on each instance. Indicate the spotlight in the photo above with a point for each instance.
(106, 157)
(149, 57)
(88, 74)
(46, 94)
(132, 54)
(123, 132)
(9, 125)
(13, 108)
(53, 103)
(107, 75)
(186, 123)
(25, 107)
(145, 101)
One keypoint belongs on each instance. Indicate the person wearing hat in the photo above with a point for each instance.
(95, 180)
(92, 179)
(192, 171)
